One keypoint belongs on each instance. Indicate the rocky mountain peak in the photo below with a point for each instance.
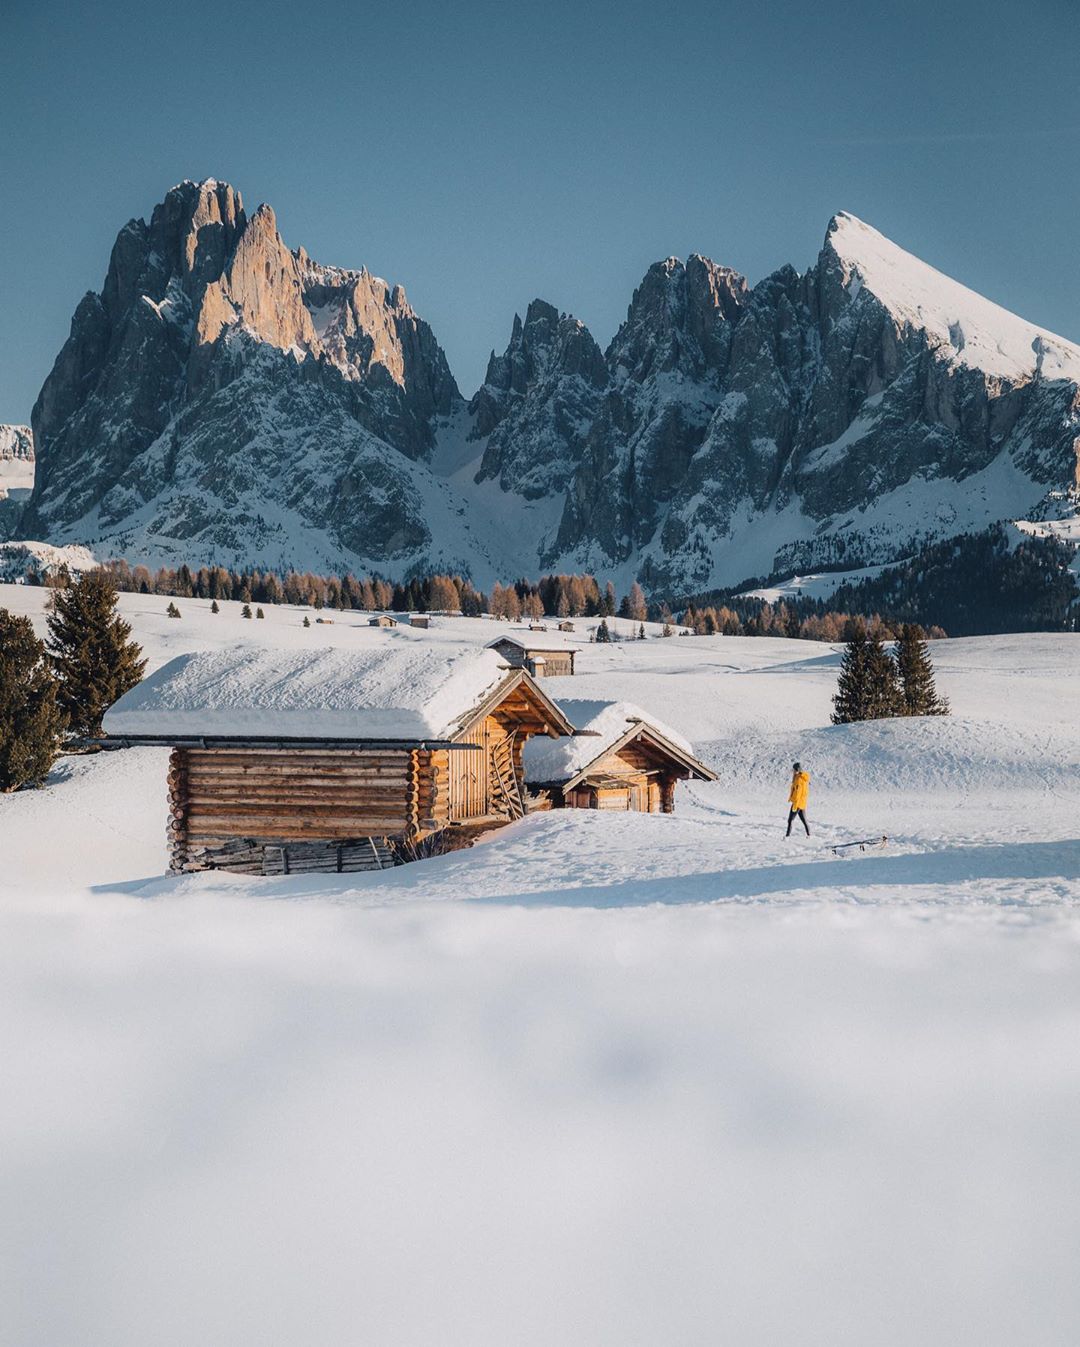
(675, 318)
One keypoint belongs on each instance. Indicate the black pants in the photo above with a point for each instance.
(797, 813)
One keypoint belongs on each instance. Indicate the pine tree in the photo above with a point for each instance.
(882, 685)
(259, 612)
(867, 688)
(307, 620)
(30, 720)
(172, 611)
(94, 660)
(641, 632)
(607, 604)
(214, 607)
(602, 632)
(850, 703)
(246, 610)
(918, 693)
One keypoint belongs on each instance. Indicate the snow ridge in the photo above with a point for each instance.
(980, 333)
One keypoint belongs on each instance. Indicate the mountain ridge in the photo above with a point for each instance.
(225, 398)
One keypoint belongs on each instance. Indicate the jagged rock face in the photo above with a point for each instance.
(838, 408)
(212, 353)
(225, 398)
(538, 401)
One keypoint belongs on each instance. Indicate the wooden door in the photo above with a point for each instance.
(470, 789)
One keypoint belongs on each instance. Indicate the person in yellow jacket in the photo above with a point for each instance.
(797, 797)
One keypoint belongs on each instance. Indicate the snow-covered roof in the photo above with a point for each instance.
(408, 691)
(604, 724)
(537, 640)
(981, 333)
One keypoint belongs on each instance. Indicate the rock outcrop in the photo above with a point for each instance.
(223, 396)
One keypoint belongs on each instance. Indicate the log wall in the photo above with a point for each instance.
(291, 797)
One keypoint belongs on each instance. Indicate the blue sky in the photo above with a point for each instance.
(485, 153)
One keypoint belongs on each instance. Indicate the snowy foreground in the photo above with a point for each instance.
(602, 1079)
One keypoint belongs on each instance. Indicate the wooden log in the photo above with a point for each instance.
(310, 809)
(344, 798)
(211, 830)
(387, 779)
(254, 762)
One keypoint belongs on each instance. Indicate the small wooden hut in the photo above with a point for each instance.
(341, 760)
(547, 656)
(420, 620)
(566, 625)
(382, 620)
(618, 759)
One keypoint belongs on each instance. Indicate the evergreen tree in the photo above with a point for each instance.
(602, 632)
(259, 612)
(214, 607)
(850, 703)
(882, 685)
(918, 694)
(307, 620)
(641, 632)
(607, 604)
(172, 611)
(94, 660)
(30, 720)
(246, 610)
(867, 688)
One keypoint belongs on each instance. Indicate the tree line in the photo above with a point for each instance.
(554, 595)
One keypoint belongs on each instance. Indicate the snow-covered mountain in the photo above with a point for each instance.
(226, 399)
(16, 474)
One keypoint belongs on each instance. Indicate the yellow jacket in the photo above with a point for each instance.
(800, 790)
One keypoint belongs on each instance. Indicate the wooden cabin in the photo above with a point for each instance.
(382, 620)
(566, 625)
(342, 760)
(420, 620)
(544, 657)
(618, 759)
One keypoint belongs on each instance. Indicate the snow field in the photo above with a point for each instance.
(600, 1079)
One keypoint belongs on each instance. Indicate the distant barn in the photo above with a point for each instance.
(546, 656)
(343, 760)
(619, 759)
(382, 620)
(420, 620)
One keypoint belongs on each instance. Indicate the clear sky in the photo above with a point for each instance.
(485, 152)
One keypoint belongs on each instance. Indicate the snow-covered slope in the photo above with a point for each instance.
(692, 1080)
(965, 327)
(606, 1078)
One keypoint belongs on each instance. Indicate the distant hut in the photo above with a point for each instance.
(420, 620)
(382, 620)
(566, 625)
(344, 760)
(619, 759)
(545, 657)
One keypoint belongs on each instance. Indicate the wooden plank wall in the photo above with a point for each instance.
(557, 663)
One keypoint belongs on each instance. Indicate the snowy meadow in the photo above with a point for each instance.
(600, 1079)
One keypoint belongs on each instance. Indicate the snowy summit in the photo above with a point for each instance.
(982, 334)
